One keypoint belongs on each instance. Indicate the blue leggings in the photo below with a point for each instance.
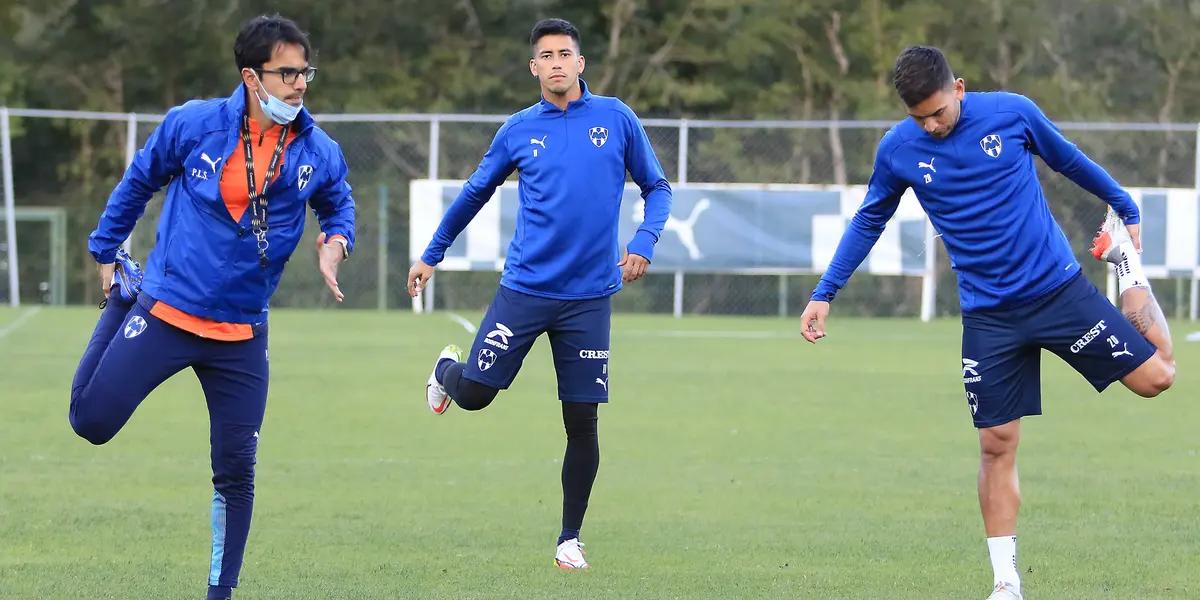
(130, 353)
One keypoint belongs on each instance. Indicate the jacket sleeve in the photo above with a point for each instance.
(883, 197)
(1047, 141)
(494, 168)
(154, 166)
(647, 173)
(334, 204)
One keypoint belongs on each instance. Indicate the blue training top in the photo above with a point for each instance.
(980, 189)
(205, 263)
(572, 177)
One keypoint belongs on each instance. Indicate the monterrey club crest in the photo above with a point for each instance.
(135, 327)
(598, 135)
(305, 175)
(991, 145)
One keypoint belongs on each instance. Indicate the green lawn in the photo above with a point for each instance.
(738, 462)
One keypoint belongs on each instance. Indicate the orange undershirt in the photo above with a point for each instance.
(236, 196)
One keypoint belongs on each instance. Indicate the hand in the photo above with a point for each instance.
(1135, 234)
(329, 256)
(812, 320)
(418, 276)
(633, 267)
(106, 276)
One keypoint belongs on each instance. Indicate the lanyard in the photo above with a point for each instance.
(258, 200)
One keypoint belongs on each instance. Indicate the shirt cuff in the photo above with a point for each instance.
(823, 293)
(642, 244)
(106, 257)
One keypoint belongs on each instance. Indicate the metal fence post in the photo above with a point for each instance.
(58, 259)
(10, 210)
(381, 269)
(435, 146)
(783, 295)
(131, 148)
(683, 151)
(424, 302)
(677, 302)
(1195, 301)
(929, 280)
(1192, 312)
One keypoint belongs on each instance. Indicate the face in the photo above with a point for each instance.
(556, 63)
(284, 57)
(938, 114)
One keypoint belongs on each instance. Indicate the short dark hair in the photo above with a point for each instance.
(920, 72)
(261, 35)
(547, 27)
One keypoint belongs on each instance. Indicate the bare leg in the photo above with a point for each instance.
(1157, 374)
(1142, 310)
(999, 501)
(999, 491)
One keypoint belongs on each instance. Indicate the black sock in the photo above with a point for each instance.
(467, 394)
(580, 463)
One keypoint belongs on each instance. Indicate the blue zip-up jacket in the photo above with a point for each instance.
(980, 189)
(572, 167)
(205, 263)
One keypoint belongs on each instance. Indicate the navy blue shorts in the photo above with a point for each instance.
(1001, 349)
(578, 331)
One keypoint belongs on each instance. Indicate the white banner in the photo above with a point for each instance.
(712, 228)
(778, 229)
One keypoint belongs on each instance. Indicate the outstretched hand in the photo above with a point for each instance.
(329, 256)
(633, 267)
(418, 276)
(106, 272)
(812, 320)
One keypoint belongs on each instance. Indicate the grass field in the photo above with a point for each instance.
(738, 462)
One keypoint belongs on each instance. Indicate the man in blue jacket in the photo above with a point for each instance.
(969, 159)
(239, 173)
(573, 150)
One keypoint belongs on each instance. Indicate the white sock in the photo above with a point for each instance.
(1003, 551)
(1129, 270)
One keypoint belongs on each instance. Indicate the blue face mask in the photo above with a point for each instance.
(281, 112)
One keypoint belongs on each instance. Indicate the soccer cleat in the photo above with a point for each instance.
(435, 393)
(569, 555)
(127, 278)
(1005, 591)
(127, 275)
(1106, 246)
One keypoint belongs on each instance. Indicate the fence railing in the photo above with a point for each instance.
(387, 151)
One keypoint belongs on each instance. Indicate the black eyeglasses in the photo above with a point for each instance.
(289, 75)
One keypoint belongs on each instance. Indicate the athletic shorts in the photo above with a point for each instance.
(579, 337)
(1001, 349)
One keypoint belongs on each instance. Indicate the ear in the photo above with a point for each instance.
(960, 88)
(533, 67)
(249, 79)
(582, 63)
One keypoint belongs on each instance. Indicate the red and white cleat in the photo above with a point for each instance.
(570, 555)
(435, 393)
(1106, 246)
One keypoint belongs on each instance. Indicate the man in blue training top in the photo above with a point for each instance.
(220, 253)
(573, 150)
(969, 159)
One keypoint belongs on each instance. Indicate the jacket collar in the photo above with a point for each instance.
(547, 106)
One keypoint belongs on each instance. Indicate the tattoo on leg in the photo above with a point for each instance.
(1144, 317)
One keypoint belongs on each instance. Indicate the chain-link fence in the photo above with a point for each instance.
(73, 160)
